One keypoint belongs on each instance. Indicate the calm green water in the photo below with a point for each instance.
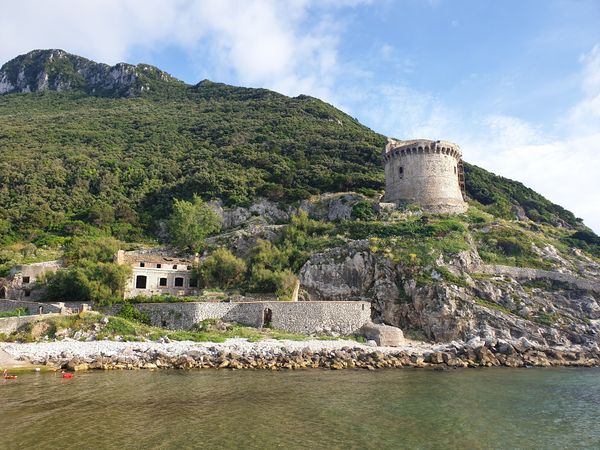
(489, 408)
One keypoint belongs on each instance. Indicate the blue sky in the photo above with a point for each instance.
(515, 83)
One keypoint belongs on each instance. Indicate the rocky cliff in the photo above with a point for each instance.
(436, 285)
(57, 70)
(548, 307)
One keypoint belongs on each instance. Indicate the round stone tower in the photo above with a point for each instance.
(426, 173)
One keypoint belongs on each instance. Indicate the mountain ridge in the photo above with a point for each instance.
(58, 70)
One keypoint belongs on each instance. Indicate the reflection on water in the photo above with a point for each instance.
(489, 408)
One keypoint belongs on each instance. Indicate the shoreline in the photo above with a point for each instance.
(270, 354)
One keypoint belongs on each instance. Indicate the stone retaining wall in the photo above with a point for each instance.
(533, 274)
(9, 325)
(296, 317)
(32, 307)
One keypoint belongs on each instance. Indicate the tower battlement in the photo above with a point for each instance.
(425, 172)
(400, 148)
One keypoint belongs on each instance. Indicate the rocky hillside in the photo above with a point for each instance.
(438, 278)
(92, 152)
(57, 70)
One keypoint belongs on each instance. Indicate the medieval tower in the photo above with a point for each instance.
(427, 173)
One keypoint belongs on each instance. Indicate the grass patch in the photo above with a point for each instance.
(16, 313)
(486, 303)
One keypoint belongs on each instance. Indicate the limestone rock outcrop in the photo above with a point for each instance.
(487, 305)
(57, 70)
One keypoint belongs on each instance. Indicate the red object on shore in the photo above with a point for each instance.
(67, 375)
(7, 376)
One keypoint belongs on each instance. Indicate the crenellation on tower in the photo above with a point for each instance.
(424, 172)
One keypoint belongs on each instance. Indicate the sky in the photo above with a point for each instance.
(516, 83)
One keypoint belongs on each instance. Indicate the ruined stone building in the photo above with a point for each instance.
(426, 173)
(157, 272)
(22, 281)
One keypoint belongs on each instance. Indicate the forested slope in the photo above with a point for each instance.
(78, 158)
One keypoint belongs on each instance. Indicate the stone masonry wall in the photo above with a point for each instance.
(32, 307)
(296, 317)
(9, 325)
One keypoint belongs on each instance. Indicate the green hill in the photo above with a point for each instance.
(84, 151)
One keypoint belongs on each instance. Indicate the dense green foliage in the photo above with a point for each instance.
(130, 313)
(92, 275)
(71, 160)
(221, 269)
(191, 222)
(500, 194)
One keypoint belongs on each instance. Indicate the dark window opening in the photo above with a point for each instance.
(189, 267)
(267, 317)
(162, 282)
(174, 266)
(26, 279)
(142, 264)
(41, 310)
(178, 282)
(401, 172)
(140, 282)
(3, 292)
(163, 323)
(27, 293)
(158, 266)
(454, 170)
(193, 282)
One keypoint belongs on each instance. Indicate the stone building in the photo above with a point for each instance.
(156, 272)
(22, 281)
(426, 173)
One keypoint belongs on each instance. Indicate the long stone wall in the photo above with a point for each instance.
(533, 274)
(31, 307)
(296, 317)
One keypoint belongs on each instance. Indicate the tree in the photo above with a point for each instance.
(191, 222)
(222, 269)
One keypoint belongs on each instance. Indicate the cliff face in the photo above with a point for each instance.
(491, 302)
(57, 70)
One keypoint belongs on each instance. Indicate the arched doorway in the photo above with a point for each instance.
(140, 281)
(3, 292)
(267, 317)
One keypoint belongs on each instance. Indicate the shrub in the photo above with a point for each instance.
(129, 312)
(362, 210)
(191, 222)
(221, 269)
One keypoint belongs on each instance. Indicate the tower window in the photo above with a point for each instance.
(178, 282)
(142, 264)
(454, 170)
(401, 172)
(158, 266)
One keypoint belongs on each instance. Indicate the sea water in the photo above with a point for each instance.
(308, 409)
